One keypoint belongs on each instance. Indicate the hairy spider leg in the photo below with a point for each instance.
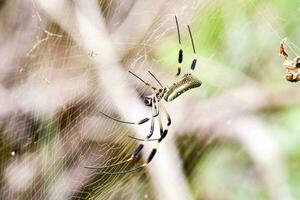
(193, 65)
(180, 52)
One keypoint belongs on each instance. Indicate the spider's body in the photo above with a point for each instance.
(167, 93)
(177, 88)
(174, 90)
(158, 94)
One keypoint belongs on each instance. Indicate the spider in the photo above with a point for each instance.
(166, 93)
(292, 73)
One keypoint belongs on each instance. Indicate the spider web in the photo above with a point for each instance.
(54, 128)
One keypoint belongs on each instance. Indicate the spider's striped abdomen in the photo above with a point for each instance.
(187, 82)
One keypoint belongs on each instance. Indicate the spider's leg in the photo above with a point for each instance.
(139, 139)
(123, 172)
(107, 166)
(155, 106)
(180, 52)
(167, 114)
(152, 120)
(146, 83)
(193, 65)
(164, 132)
(149, 159)
(155, 113)
(155, 78)
(133, 155)
(125, 122)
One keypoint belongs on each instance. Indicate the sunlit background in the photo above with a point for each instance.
(63, 62)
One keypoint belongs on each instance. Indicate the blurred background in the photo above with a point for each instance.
(62, 61)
